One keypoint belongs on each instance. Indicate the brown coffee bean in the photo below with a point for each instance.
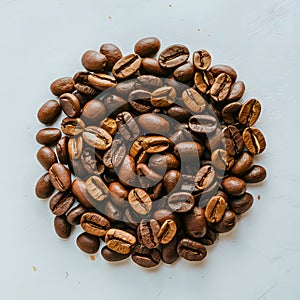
(72, 127)
(219, 69)
(79, 190)
(162, 215)
(94, 224)
(101, 81)
(149, 230)
(62, 85)
(112, 53)
(209, 238)
(188, 150)
(118, 194)
(112, 212)
(146, 258)
(170, 180)
(126, 173)
(120, 241)
(169, 252)
(93, 61)
(60, 177)
(203, 124)
(93, 111)
(97, 137)
(82, 84)
(96, 188)
(127, 126)
(44, 188)
(194, 223)
(185, 72)
(254, 140)
(151, 66)
(126, 66)
(232, 140)
(111, 255)
(249, 112)
(173, 56)
(147, 175)
(255, 174)
(201, 60)
(191, 250)
(152, 123)
(88, 243)
(163, 97)
(221, 87)
(203, 81)
(234, 186)
(75, 147)
(221, 159)
(227, 223)
(60, 203)
(155, 144)
(110, 125)
(240, 205)
(162, 162)
(74, 215)
(91, 161)
(237, 91)
(181, 202)
(46, 157)
(49, 112)
(62, 227)
(193, 100)
(139, 100)
(167, 231)
(148, 82)
(242, 164)
(140, 201)
(215, 209)
(48, 136)
(179, 114)
(114, 156)
(205, 177)
(230, 113)
(147, 46)
(70, 105)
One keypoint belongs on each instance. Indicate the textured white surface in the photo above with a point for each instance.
(43, 40)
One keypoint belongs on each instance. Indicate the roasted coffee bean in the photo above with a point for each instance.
(112, 53)
(46, 157)
(163, 162)
(127, 126)
(120, 241)
(249, 112)
(203, 124)
(227, 223)
(136, 147)
(163, 214)
(191, 250)
(115, 104)
(209, 238)
(62, 85)
(140, 201)
(126, 172)
(49, 112)
(156, 191)
(60, 203)
(193, 100)
(148, 82)
(96, 188)
(167, 231)
(151, 66)
(101, 81)
(93, 111)
(147, 175)
(60, 177)
(173, 56)
(144, 257)
(242, 164)
(240, 205)
(221, 87)
(203, 81)
(74, 215)
(185, 72)
(112, 212)
(205, 177)
(94, 224)
(82, 98)
(126, 66)
(91, 161)
(181, 202)
(93, 61)
(147, 46)
(72, 127)
(170, 180)
(97, 137)
(139, 100)
(76, 168)
(230, 113)
(219, 69)
(232, 140)
(215, 209)
(70, 105)
(234, 186)
(179, 114)
(163, 97)
(169, 252)
(75, 147)
(48, 136)
(115, 155)
(149, 230)
(201, 60)
(79, 190)
(82, 84)
(111, 255)
(110, 125)
(88, 243)
(237, 91)
(118, 194)
(62, 227)
(254, 140)
(44, 188)
(194, 223)
(255, 174)
(188, 150)
(222, 160)
(152, 123)
(155, 144)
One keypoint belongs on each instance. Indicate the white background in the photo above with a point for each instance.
(44, 40)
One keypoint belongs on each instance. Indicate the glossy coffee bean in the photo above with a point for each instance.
(48, 136)
(118, 194)
(88, 243)
(139, 100)
(255, 174)
(94, 224)
(191, 250)
(79, 190)
(219, 69)
(46, 157)
(222, 160)
(221, 87)
(101, 81)
(162, 215)
(97, 137)
(91, 161)
(167, 231)
(234, 186)
(140, 201)
(112, 53)
(49, 112)
(230, 113)
(152, 123)
(96, 188)
(181, 202)
(170, 180)
(112, 212)
(193, 100)
(110, 125)
(201, 60)
(203, 124)
(232, 140)
(147, 46)
(62, 85)
(188, 150)
(203, 81)
(194, 223)
(215, 209)
(184, 72)
(44, 188)
(179, 114)
(147, 177)
(162, 162)
(82, 84)
(75, 147)
(144, 257)
(151, 66)
(155, 144)
(127, 126)
(93, 61)
(237, 91)
(173, 56)
(70, 105)
(60, 203)
(149, 230)
(148, 82)
(74, 215)
(163, 97)
(240, 205)
(126, 66)
(205, 177)
(227, 223)
(242, 164)
(62, 227)
(169, 252)
(72, 126)
(209, 238)
(254, 140)
(111, 255)
(60, 177)
(127, 171)
(249, 112)
(114, 156)
(120, 241)
(93, 111)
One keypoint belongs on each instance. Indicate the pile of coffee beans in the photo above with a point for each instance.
(153, 155)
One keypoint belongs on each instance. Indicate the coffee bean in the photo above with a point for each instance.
(232, 140)
(147, 46)
(205, 177)
(171, 179)
(163, 97)
(49, 112)
(127, 126)
(201, 60)
(151, 66)
(173, 56)
(93, 61)
(254, 140)
(111, 255)
(191, 250)
(234, 186)
(79, 190)
(48, 136)
(194, 223)
(62, 85)
(149, 230)
(148, 82)
(60, 177)
(115, 155)
(70, 105)
(249, 112)
(126, 172)
(44, 188)
(162, 162)
(88, 243)
(193, 100)
(126, 66)
(60, 203)
(215, 209)
(203, 124)
(110, 125)
(118, 194)
(242, 164)
(82, 98)
(112, 212)
(240, 205)
(139, 100)
(62, 227)
(222, 160)
(209, 238)
(156, 144)
(72, 127)
(93, 111)
(148, 177)
(75, 147)
(46, 157)
(230, 113)
(255, 174)
(184, 72)
(74, 215)
(221, 87)
(82, 84)
(181, 202)
(227, 223)
(96, 188)
(237, 91)
(140, 201)
(120, 241)
(203, 81)
(169, 252)
(179, 114)
(188, 150)
(219, 69)
(152, 123)
(112, 53)
(94, 224)
(101, 81)
(91, 161)
(167, 231)
(144, 257)
(97, 137)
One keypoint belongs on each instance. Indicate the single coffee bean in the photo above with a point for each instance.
(194, 223)
(115, 155)
(221, 87)
(101, 81)
(44, 188)
(126, 66)
(188, 151)
(111, 255)
(118, 194)
(127, 126)
(72, 127)
(148, 177)
(151, 66)
(49, 112)
(112, 212)
(232, 140)
(167, 231)
(255, 174)
(237, 91)
(127, 171)
(60, 203)
(139, 100)
(242, 164)
(140, 201)
(181, 202)
(191, 250)
(48, 136)
(96, 188)
(249, 112)
(219, 69)
(137, 147)
(203, 81)
(94, 224)
(120, 241)
(230, 113)
(74, 215)
(46, 157)
(222, 160)
(82, 84)
(155, 144)
(163, 97)
(97, 137)
(75, 147)
(152, 123)
(148, 82)
(179, 114)
(70, 105)
(205, 177)
(147, 46)
(156, 191)
(112, 53)
(234, 186)
(93, 61)
(254, 140)
(162, 162)
(169, 252)
(91, 161)
(227, 223)
(240, 205)
(93, 111)
(193, 100)
(79, 190)
(149, 230)
(88, 243)
(203, 124)
(60, 177)
(185, 72)
(162, 215)
(170, 180)
(110, 125)
(201, 60)
(62, 227)
(209, 238)
(173, 56)
(62, 85)
(215, 209)
(146, 258)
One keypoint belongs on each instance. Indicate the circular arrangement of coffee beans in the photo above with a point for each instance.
(153, 155)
